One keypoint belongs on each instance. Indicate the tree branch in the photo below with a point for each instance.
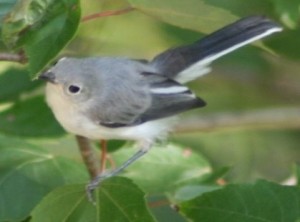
(106, 14)
(20, 58)
(283, 118)
(88, 156)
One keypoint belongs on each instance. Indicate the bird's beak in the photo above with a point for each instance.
(48, 76)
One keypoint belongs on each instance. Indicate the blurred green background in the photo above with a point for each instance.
(248, 80)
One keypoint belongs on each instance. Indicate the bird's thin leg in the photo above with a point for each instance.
(97, 180)
(111, 161)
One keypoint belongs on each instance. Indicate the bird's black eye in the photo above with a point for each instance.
(74, 89)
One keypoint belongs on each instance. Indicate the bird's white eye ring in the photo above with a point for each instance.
(74, 89)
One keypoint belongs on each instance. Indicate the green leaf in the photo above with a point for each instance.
(13, 82)
(297, 174)
(261, 202)
(164, 168)
(113, 145)
(42, 28)
(288, 11)
(191, 14)
(27, 173)
(192, 191)
(30, 118)
(118, 199)
(162, 209)
(285, 43)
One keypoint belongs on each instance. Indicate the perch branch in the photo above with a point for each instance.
(283, 118)
(106, 14)
(20, 58)
(88, 156)
(103, 158)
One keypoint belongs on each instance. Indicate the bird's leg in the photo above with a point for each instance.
(146, 146)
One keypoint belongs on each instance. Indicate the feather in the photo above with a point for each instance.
(186, 63)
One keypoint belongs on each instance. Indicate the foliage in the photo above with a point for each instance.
(42, 178)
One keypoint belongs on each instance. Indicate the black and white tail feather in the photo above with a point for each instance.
(185, 63)
(189, 62)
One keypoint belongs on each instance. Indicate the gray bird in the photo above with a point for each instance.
(119, 98)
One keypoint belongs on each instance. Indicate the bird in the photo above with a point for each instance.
(121, 98)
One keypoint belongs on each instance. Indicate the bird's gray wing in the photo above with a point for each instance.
(168, 98)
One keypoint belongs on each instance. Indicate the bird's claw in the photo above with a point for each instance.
(91, 187)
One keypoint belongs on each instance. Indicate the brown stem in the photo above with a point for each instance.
(20, 58)
(281, 118)
(88, 156)
(103, 158)
(107, 13)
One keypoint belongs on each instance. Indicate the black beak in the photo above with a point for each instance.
(48, 76)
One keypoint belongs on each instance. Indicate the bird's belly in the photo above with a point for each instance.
(149, 131)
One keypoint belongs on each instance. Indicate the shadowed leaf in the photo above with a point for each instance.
(27, 173)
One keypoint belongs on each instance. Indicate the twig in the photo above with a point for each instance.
(103, 158)
(283, 118)
(20, 58)
(107, 13)
(88, 156)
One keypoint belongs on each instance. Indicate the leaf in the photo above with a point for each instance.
(297, 174)
(163, 210)
(192, 191)
(118, 199)
(30, 118)
(261, 202)
(191, 14)
(289, 12)
(13, 82)
(42, 28)
(164, 168)
(27, 173)
(285, 43)
(113, 145)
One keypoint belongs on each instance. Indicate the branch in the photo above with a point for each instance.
(88, 156)
(107, 13)
(20, 58)
(283, 118)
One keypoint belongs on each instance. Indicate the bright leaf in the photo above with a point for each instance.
(42, 28)
(191, 14)
(164, 168)
(27, 174)
(118, 199)
(263, 201)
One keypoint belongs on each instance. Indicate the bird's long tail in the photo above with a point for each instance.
(189, 62)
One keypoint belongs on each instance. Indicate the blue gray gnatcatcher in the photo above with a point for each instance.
(120, 98)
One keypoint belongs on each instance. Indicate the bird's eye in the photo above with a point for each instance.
(74, 89)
